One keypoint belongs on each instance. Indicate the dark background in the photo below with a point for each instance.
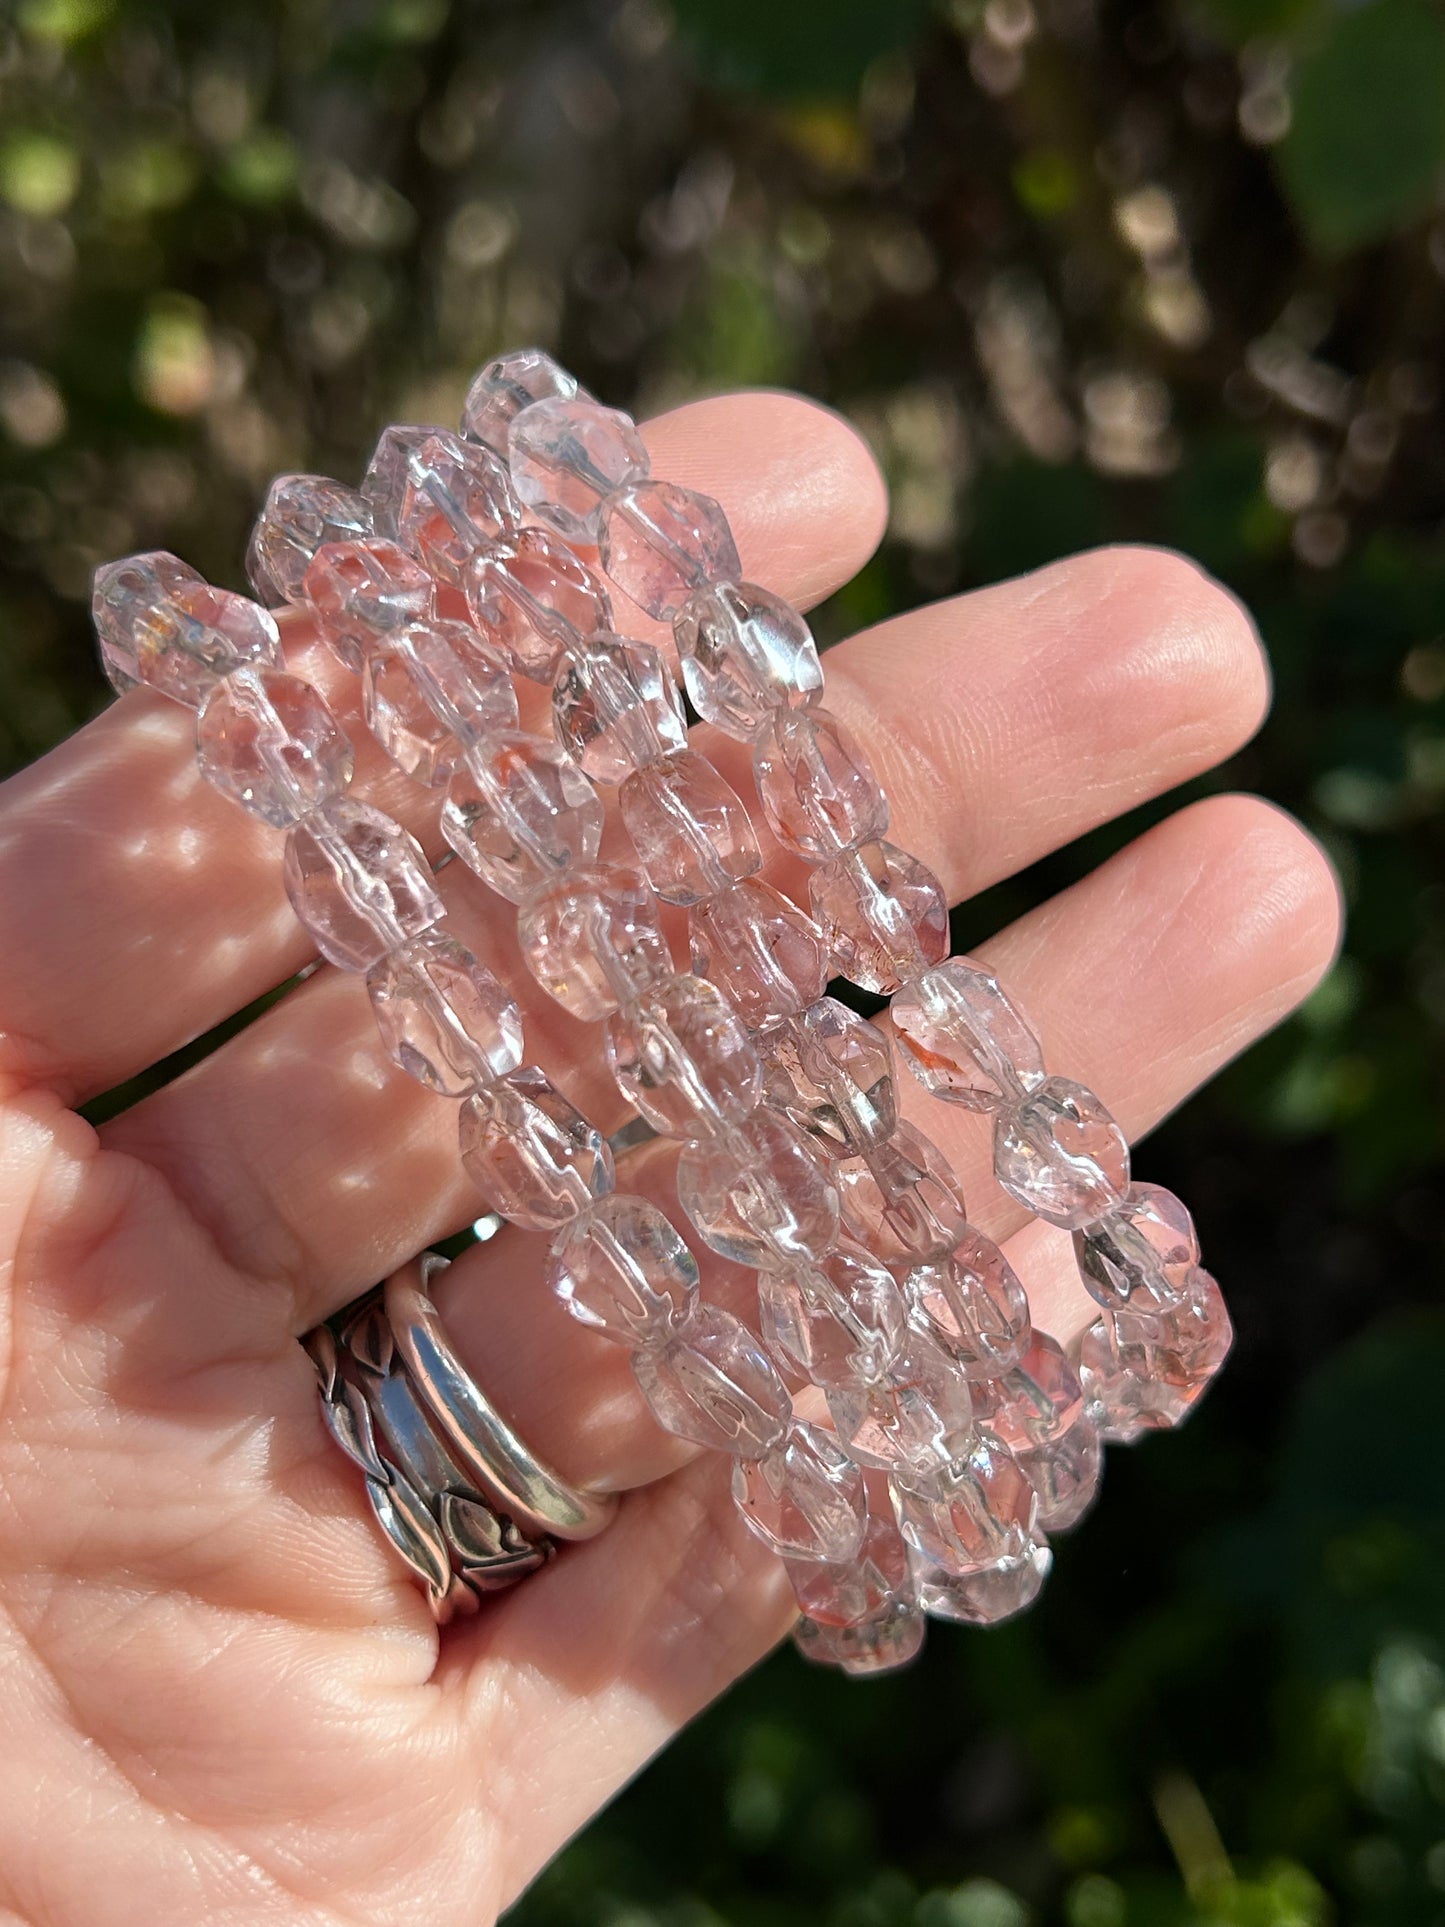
(1081, 270)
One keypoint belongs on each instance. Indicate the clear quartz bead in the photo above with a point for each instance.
(301, 514)
(901, 1198)
(443, 1016)
(889, 1639)
(1140, 1256)
(1065, 1474)
(358, 882)
(621, 1268)
(831, 1072)
(616, 707)
(533, 1156)
(985, 1598)
(975, 1513)
(160, 624)
(1143, 1374)
(660, 543)
(430, 690)
(842, 1593)
(914, 1417)
(689, 828)
(566, 455)
(816, 786)
(683, 1057)
(838, 1320)
(1033, 1403)
(804, 1499)
(504, 387)
(713, 1383)
(760, 948)
(1061, 1154)
(267, 741)
(533, 598)
(122, 595)
(365, 589)
(745, 653)
(964, 1040)
(442, 498)
(884, 914)
(520, 813)
(760, 1196)
(972, 1302)
(592, 940)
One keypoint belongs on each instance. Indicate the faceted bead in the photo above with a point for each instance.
(363, 590)
(891, 1638)
(567, 455)
(804, 1499)
(1061, 1154)
(440, 497)
(302, 513)
(622, 1269)
(431, 689)
(918, 1416)
(745, 652)
(592, 940)
(831, 1071)
(268, 741)
(689, 828)
(1140, 1256)
(533, 598)
(964, 1040)
(443, 1016)
(505, 387)
(122, 596)
(1065, 1474)
(713, 1383)
(532, 1155)
(985, 1598)
(659, 543)
(839, 1320)
(160, 624)
(877, 1576)
(683, 1057)
(973, 1304)
(902, 1199)
(520, 814)
(758, 946)
(616, 707)
(1143, 1374)
(760, 1196)
(884, 914)
(358, 883)
(1033, 1403)
(970, 1513)
(816, 786)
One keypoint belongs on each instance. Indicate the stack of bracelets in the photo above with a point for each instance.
(900, 1433)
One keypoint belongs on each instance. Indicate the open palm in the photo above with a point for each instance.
(221, 1699)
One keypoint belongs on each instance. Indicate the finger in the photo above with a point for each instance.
(153, 909)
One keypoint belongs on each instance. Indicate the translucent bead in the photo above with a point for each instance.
(268, 741)
(831, 1071)
(758, 946)
(520, 814)
(122, 595)
(839, 1320)
(622, 1269)
(1144, 1374)
(973, 1513)
(964, 1040)
(592, 940)
(849, 1592)
(745, 652)
(891, 1638)
(985, 1598)
(915, 1417)
(1033, 1403)
(616, 707)
(714, 1384)
(363, 590)
(358, 883)
(1065, 1474)
(532, 1154)
(443, 1016)
(760, 1196)
(301, 514)
(1061, 1154)
(683, 1057)
(689, 828)
(431, 689)
(506, 386)
(567, 455)
(442, 498)
(659, 543)
(972, 1302)
(804, 1498)
(816, 786)
(902, 1198)
(1141, 1255)
(160, 624)
(884, 914)
(534, 598)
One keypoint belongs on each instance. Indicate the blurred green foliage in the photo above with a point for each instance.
(1083, 270)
